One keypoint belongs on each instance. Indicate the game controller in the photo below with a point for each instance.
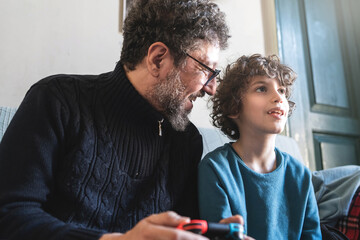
(214, 230)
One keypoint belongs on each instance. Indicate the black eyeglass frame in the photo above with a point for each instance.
(214, 72)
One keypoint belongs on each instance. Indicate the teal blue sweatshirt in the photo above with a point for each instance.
(276, 205)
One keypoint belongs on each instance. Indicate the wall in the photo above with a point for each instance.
(41, 38)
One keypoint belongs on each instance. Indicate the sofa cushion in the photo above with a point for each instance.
(6, 114)
(213, 138)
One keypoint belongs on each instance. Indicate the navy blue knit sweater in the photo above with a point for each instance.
(83, 156)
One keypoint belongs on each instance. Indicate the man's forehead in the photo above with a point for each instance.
(207, 52)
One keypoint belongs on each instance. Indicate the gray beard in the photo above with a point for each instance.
(168, 94)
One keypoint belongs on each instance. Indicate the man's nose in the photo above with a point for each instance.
(210, 88)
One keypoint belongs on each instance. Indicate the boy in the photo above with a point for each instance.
(250, 177)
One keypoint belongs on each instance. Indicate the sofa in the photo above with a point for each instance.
(335, 189)
(6, 114)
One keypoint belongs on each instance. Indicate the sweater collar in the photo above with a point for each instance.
(121, 97)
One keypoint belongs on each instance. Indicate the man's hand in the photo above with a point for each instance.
(157, 226)
(236, 219)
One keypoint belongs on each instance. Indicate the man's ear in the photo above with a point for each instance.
(157, 55)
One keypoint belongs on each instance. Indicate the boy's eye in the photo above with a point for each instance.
(282, 90)
(261, 89)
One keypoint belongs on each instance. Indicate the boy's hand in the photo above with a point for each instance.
(233, 219)
(236, 219)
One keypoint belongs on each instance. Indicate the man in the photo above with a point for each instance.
(92, 157)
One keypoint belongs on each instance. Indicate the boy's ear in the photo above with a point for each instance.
(158, 54)
(234, 116)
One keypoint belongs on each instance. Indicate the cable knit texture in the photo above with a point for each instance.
(83, 156)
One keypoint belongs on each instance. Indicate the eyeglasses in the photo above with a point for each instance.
(214, 73)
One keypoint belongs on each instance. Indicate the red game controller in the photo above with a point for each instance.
(214, 230)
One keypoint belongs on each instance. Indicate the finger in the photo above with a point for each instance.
(166, 233)
(111, 236)
(248, 238)
(169, 218)
(233, 219)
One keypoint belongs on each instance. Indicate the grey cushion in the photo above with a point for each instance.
(213, 138)
(6, 114)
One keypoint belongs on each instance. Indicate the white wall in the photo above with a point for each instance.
(40, 38)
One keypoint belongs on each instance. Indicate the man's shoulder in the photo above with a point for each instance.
(190, 132)
(66, 86)
(67, 80)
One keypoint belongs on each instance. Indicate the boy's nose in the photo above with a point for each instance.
(278, 98)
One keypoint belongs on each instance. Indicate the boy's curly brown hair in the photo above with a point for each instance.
(228, 101)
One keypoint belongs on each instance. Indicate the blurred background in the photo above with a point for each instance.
(319, 39)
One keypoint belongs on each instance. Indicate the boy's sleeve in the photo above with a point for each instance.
(311, 228)
(213, 200)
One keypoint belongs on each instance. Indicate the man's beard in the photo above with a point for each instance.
(169, 95)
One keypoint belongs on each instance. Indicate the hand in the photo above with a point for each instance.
(236, 219)
(157, 226)
(233, 219)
